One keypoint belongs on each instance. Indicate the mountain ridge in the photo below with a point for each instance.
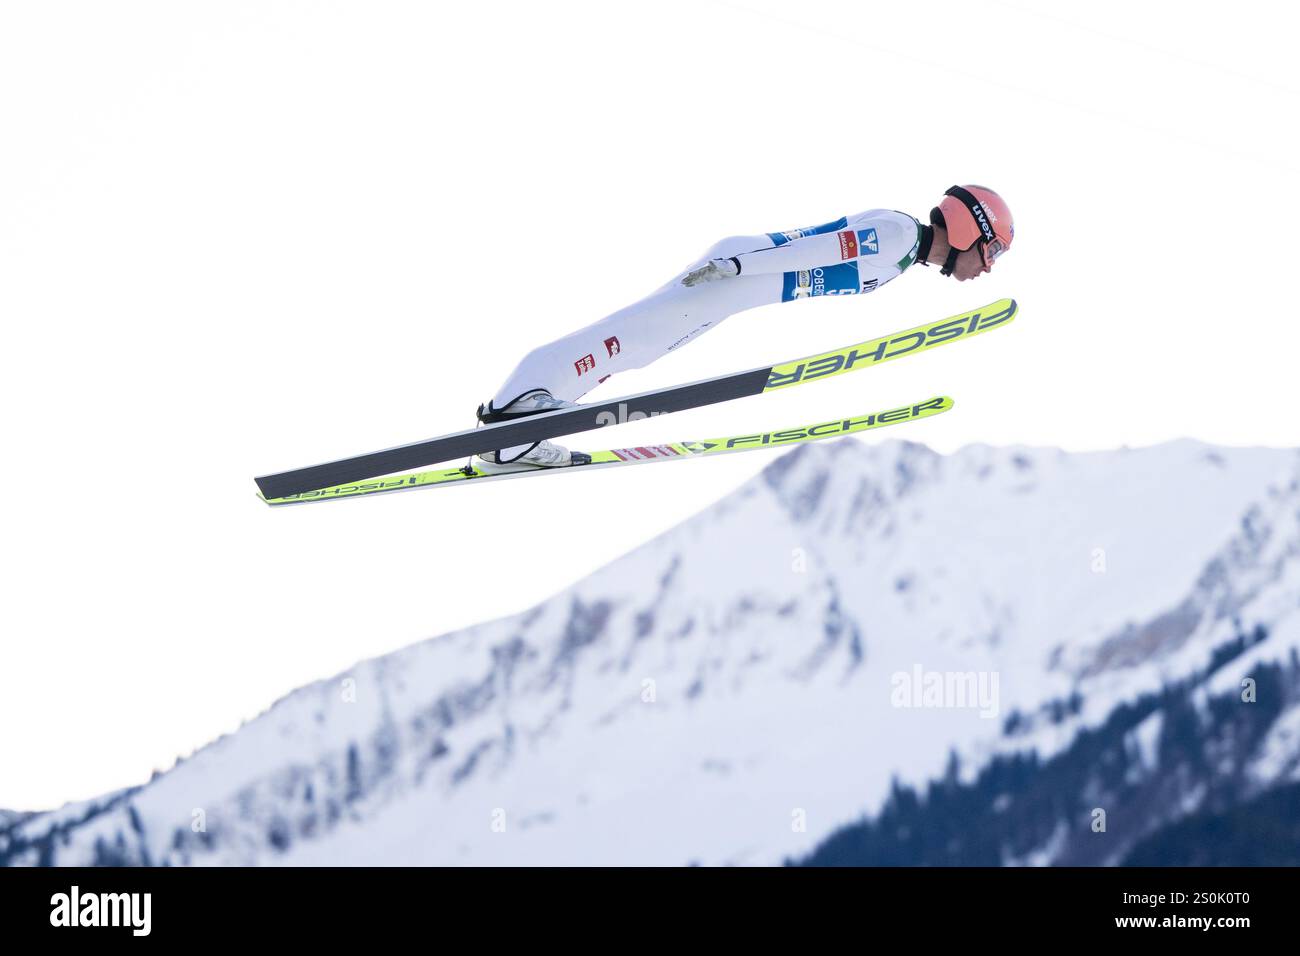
(835, 556)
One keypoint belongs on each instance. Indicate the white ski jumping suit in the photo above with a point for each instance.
(853, 254)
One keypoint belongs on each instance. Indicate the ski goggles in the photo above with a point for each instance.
(991, 249)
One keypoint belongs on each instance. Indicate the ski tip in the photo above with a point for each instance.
(1003, 310)
(1006, 306)
(932, 406)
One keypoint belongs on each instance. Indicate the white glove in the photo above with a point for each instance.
(713, 269)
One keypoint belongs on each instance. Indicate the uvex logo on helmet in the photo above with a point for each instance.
(971, 215)
(982, 220)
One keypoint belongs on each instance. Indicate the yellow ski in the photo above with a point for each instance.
(638, 455)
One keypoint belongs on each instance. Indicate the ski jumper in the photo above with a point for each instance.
(851, 255)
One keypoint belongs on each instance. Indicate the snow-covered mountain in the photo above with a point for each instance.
(855, 619)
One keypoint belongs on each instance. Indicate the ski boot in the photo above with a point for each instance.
(542, 454)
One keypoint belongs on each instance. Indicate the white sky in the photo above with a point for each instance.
(239, 237)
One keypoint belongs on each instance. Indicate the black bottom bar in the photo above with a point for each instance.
(910, 908)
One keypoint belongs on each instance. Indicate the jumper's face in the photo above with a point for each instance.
(970, 264)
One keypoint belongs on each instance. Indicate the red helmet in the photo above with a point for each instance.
(974, 214)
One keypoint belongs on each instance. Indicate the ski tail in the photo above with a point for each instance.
(637, 455)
